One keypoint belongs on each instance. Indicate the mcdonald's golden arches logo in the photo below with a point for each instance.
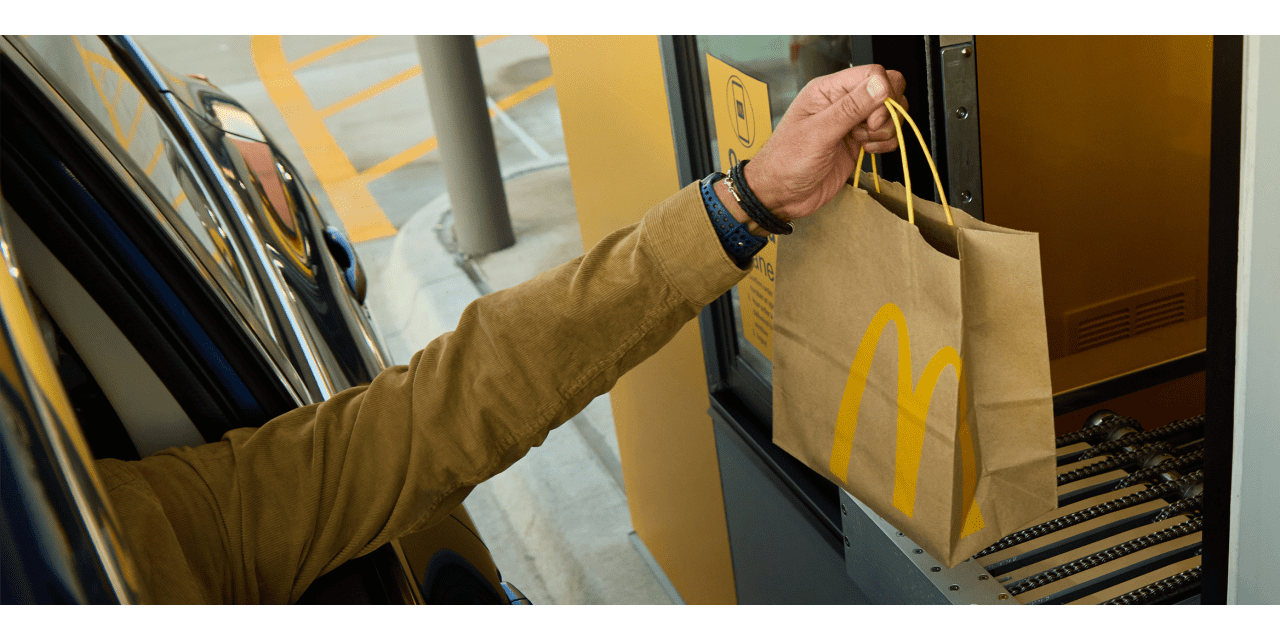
(913, 409)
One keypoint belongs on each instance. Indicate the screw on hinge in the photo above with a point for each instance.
(966, 52)
(962, 113)
(954, 587)
(844, 508)
(918, 551)
(935, 569)
(1003, 596)
(846, 541)
(965, 196)
(984, 577)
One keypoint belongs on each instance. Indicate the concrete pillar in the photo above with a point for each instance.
(451, 68)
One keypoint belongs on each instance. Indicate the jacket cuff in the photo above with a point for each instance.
(688, 250)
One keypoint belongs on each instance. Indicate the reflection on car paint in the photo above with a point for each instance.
(279, 204)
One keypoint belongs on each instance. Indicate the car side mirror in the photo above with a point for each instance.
(345, 255)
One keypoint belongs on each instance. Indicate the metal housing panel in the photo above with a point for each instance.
(885, 563)
(960, 122)
(779, 554)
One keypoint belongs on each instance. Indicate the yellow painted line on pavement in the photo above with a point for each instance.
(347, 190)
(133, 127)
(317, 56)
(525, 93)
(370, 92)
(427, 146)
(399, 160)
(90, 58)
(119, 89)
(365, 94)
(155, 158)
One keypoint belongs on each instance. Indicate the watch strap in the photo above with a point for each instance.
(740, 244)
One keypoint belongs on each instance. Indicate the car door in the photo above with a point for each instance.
(116, 215)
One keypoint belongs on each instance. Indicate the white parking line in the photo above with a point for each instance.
(516, 130)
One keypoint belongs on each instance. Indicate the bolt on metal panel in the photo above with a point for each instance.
(960, 124)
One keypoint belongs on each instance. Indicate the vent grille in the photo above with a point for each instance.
(1128, 316)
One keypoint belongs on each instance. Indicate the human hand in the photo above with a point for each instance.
(814, 150)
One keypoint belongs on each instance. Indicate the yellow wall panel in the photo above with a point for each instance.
(617, 133)
(1101, 145)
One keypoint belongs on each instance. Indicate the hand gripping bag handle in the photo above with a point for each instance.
(894, 110)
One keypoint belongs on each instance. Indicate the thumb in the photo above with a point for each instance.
(856, 106)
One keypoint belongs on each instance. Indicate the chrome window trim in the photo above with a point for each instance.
(249, 298)
(254, 296)
(259, 250)
(300, 322)
(152, 74)
(276, 357)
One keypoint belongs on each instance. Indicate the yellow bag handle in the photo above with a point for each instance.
(894, 110)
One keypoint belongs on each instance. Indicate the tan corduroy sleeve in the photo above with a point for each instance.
(263, 513)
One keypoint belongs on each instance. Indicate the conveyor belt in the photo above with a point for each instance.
(1128, 527)
(1127, 530)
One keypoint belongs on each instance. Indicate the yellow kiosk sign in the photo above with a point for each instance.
(743, 122)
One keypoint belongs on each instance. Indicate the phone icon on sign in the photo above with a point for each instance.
(741, 112)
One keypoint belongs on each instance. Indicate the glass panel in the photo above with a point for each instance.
(784, 64)
(747, 351)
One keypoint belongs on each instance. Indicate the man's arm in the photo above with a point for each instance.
(266, 511)
(261, 514)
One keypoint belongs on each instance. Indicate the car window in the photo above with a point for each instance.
(116, 109)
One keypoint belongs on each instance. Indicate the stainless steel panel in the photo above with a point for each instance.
(960, 124)
(891, 569)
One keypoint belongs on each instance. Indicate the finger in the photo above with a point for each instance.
(837, 84)
(862, 134)
(878, 118)
(899, 84)
(855, 106)
(886, 131)
(881, 147)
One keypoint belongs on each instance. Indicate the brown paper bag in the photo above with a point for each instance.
(911, 367)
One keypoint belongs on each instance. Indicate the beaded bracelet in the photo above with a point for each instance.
(740, 244)
(741, 191)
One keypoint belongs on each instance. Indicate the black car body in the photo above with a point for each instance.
(169, 278)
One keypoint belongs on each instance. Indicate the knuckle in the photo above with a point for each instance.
(810, 87)
(849, 107)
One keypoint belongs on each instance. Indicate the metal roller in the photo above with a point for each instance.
(1128, 527)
